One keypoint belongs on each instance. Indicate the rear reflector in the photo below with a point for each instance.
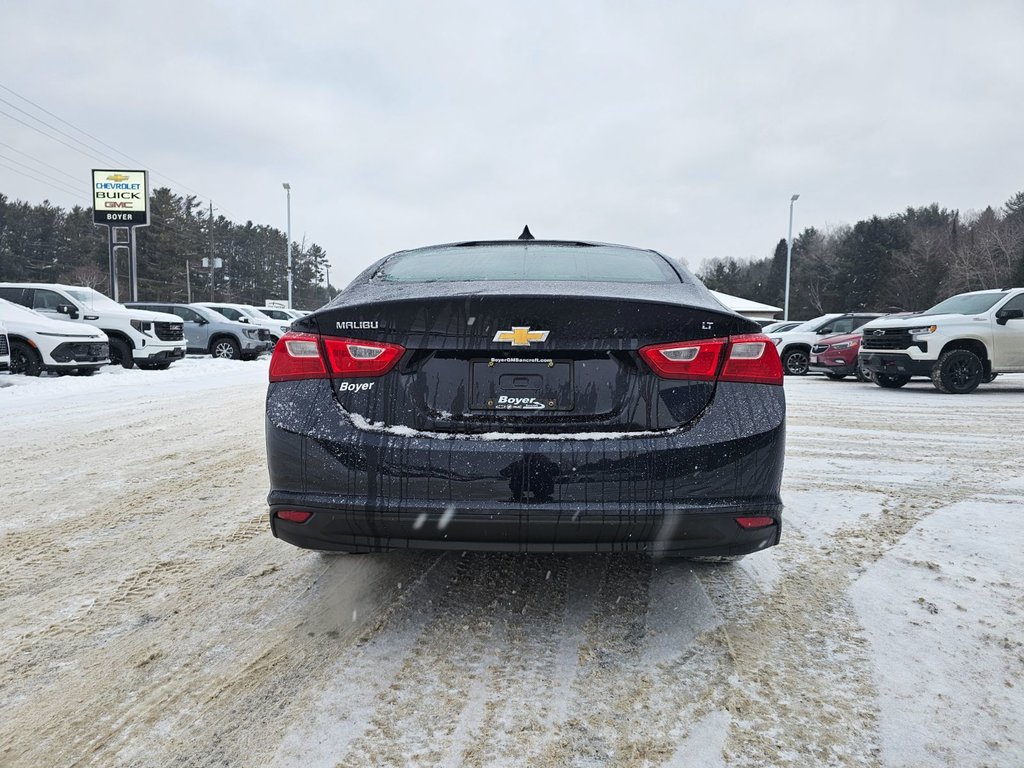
(755, 522)
(751, 359)
(294, 517)
(300, 356)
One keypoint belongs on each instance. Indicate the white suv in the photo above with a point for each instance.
(959, 343)
(39, 343)
(795, 344)
(136, 337)
(5, 349)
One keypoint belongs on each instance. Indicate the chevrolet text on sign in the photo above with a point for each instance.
(120, 198)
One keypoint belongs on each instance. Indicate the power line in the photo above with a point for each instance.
(34, 170)
(44, 133)
(154, 171)
(58, 130)
(41, 162)
(69, 124)
(47, 183)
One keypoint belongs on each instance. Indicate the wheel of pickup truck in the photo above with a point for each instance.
(958, 372)
(225, 348)
(25, 360)
(795, 362)
(862, 373)
(121, 353)
(989, 378)
(889, 381)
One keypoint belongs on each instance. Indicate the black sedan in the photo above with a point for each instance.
(526, 395)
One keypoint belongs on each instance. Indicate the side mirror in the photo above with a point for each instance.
(823, 331)
(201, 321)
(243, 319)
(67, 309)
(1003, 315)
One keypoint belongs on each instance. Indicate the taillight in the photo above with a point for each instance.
(297, 356)
(695, 360)
(752, 359)
(755, 521)
(353, 357)
(308, 356)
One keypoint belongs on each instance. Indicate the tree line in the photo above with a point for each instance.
(48, 244)
(908, 261)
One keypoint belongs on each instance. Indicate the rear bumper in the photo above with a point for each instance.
(559, 528)
(896, 364)
(677, 492)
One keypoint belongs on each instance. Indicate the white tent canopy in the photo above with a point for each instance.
(752, 309)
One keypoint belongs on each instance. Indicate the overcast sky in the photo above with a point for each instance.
(678, 126)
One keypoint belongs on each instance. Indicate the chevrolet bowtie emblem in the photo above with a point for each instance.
(521, 337)
(117, 177)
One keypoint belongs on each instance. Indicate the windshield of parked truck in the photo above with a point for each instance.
(966, 304)
(93, 299)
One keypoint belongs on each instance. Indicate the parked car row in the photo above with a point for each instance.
(70, 329)
(958, 344)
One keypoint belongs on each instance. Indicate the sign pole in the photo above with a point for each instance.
(112, 250)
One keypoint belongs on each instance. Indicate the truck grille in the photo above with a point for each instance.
(4, 349)
(889, 338)
(264, 334)
(169, 331)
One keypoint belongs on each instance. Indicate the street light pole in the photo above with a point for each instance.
(288, 192)
(789, 255)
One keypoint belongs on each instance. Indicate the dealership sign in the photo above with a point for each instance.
(120, 198)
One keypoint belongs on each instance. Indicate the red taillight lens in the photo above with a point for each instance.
(353, 357)
(297, 356)
(293, 516)
(302, 355)
(695, 360)
(755, 522)
(751, 358)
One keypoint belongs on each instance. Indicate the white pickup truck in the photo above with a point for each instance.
(959, 343)
(147, 339)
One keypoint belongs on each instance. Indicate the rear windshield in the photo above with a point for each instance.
(596, 263)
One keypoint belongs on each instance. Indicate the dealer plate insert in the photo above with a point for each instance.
(521, 384)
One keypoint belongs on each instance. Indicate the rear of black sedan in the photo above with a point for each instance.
(526, 396)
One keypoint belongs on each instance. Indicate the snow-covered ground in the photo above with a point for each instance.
(149, 619)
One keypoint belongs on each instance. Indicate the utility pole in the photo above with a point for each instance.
(327, 266)
(211, 253)
(789, 255)
(188, 281)
(288, 192)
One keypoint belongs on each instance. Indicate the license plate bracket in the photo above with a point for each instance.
(523, 385)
